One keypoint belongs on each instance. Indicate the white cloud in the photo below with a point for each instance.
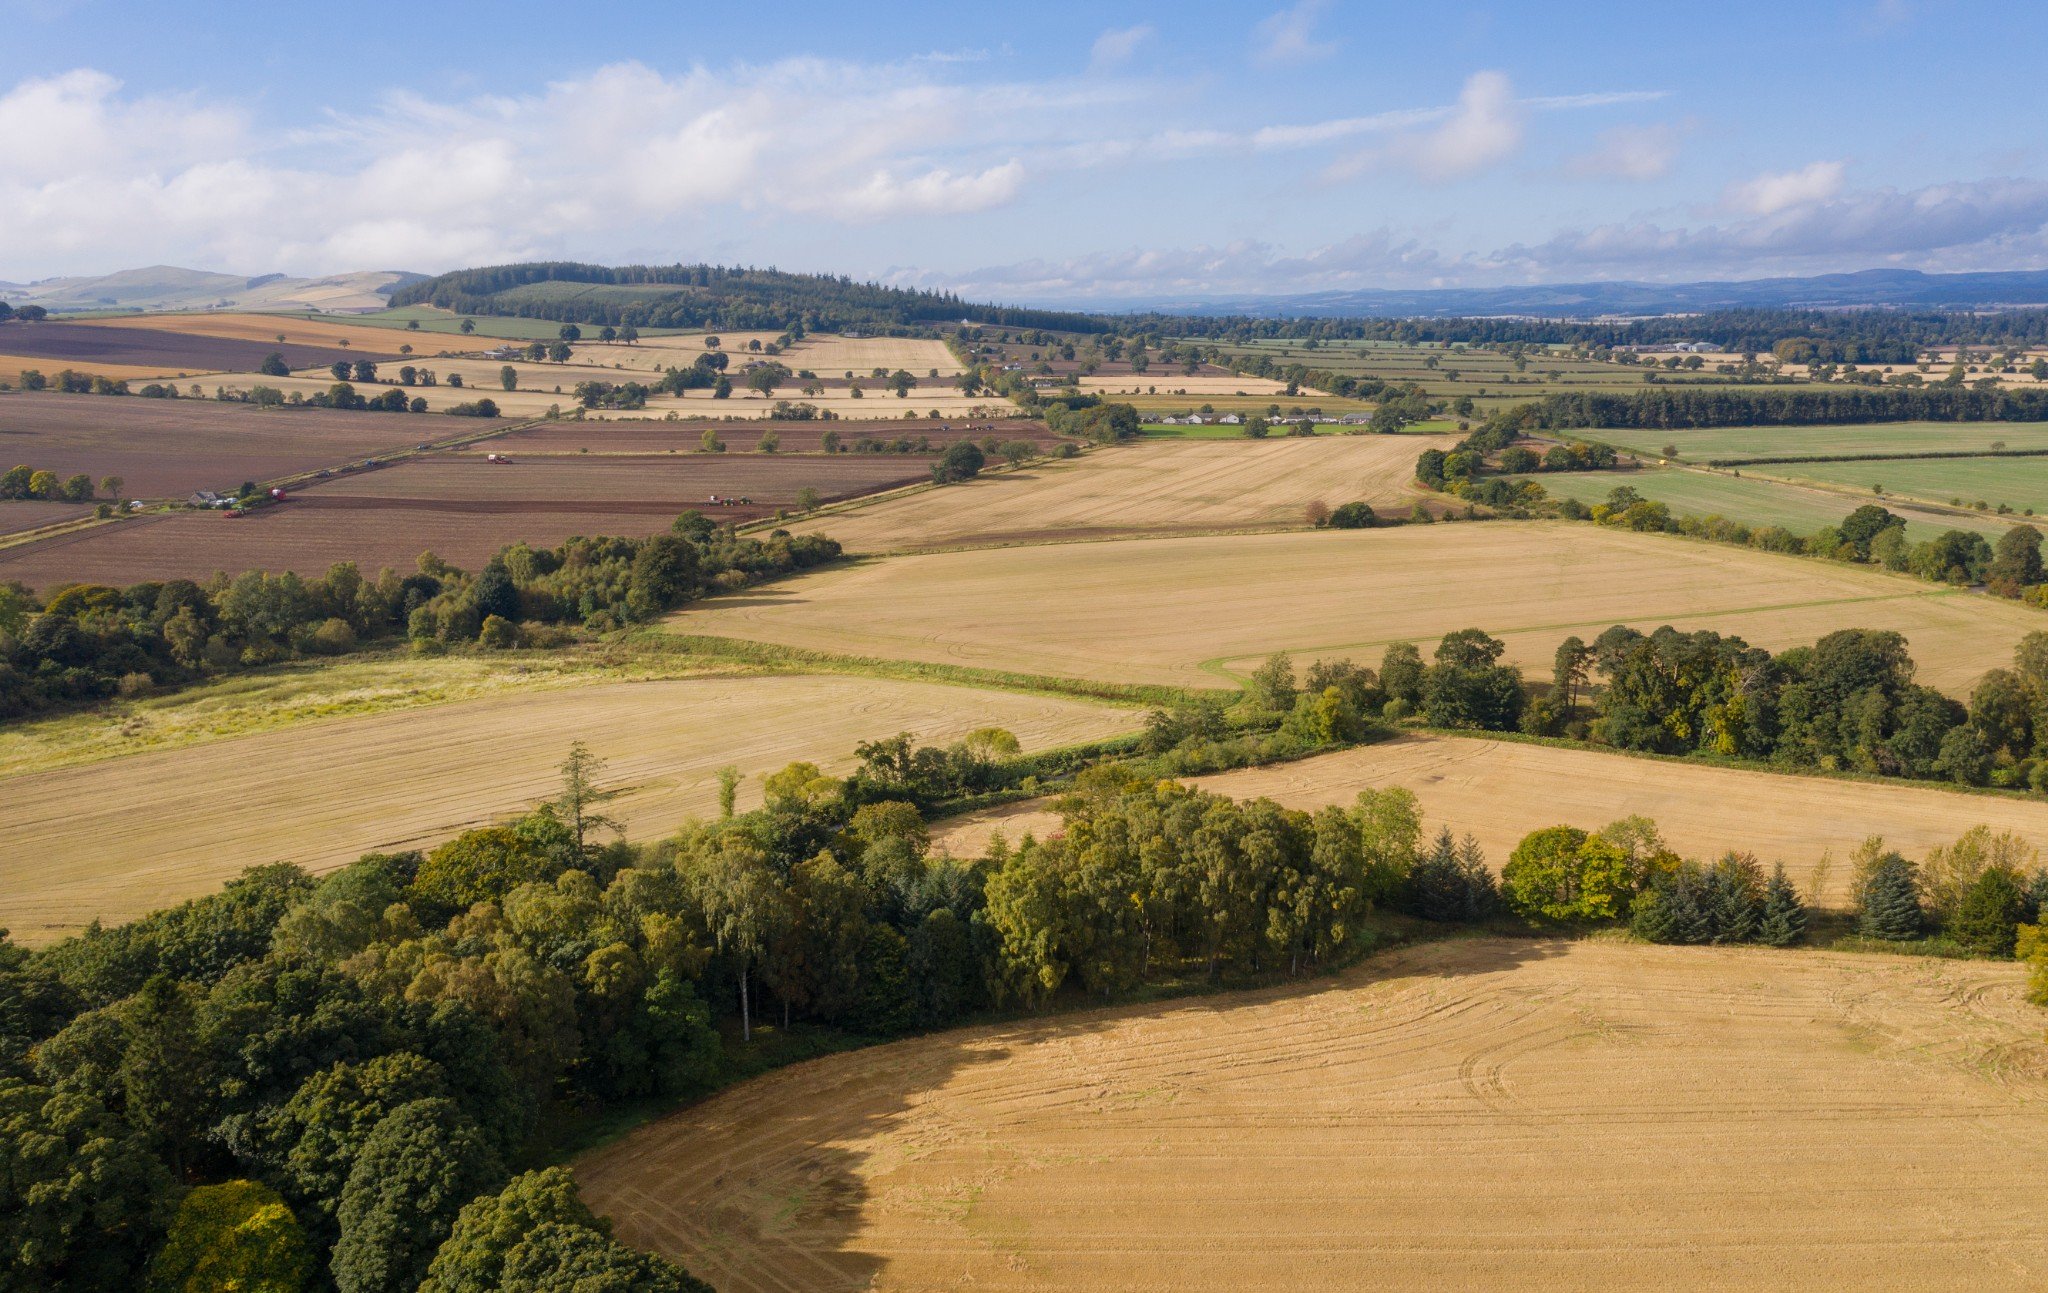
(1773, 192)
(1628, 153)
(92, 177)
(1114, 47)
(1289, 36)
(1483, 129)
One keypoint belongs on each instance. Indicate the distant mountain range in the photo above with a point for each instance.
(166, 287)
(573, 290)
(1868, 289)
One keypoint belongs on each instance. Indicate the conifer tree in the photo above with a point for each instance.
(1891, 901)
(1784, 918)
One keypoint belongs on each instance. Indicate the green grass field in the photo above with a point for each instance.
(1749, 499)
(1702, 444)
(2019, 483)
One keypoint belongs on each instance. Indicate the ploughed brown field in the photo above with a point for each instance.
(1473, 1114)
(119, 837)
(623, 434)
(461, 507)
(17, 515)
(1499, 791)
(169, 448)
(82, 345)
(325, 333)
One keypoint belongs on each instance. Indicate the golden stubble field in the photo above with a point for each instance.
(1196, 611)
(1151, 487)
(1474, 1114)
(120, 837)
(1499, 791)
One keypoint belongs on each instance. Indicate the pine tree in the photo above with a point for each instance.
(1732, 899)
(1989, 917)
(1891, 901)
(1784, 919)
(1479, 896)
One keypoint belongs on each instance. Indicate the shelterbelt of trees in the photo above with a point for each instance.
(88, 642)
(710, 296)
(1855, 337)
(1671, 408)
(357, 1081)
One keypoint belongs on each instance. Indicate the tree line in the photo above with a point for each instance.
(89, 642)
(712, 296)
(1672, 408)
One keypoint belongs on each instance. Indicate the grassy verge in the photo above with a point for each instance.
(739, 651)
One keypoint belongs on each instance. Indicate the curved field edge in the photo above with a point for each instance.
(115, 838)
(1453, 1111)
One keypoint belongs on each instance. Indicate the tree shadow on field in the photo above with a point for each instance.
(763, 1188)
(771, 1186)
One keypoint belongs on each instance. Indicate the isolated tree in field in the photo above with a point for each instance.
(468, 326)
(273, 365)
(111, 486)
(559, 352)
(709, 442)
(581, 796)
(808, 499)
(76, 489)
(365, 370)
(607, 333)
(340, 369)
(629, 334)
(239, 1235)
(767, 377)
(962, 460)
(569, 332)
(508, 377)
(901, 382)
(415, 1173)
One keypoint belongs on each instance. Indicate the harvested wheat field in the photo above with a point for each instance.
(1156, 487)
(114, 839)
(1207, 383)
(1499, 791)
(1476, 1114)
(1199, 611)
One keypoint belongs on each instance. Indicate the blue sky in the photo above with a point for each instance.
(1044, 152)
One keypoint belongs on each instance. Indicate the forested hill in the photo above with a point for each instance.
(714, 296)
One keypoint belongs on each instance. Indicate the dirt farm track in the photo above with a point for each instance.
(1477, 1114)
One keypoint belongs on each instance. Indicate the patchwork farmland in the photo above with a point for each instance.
(461, 507)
